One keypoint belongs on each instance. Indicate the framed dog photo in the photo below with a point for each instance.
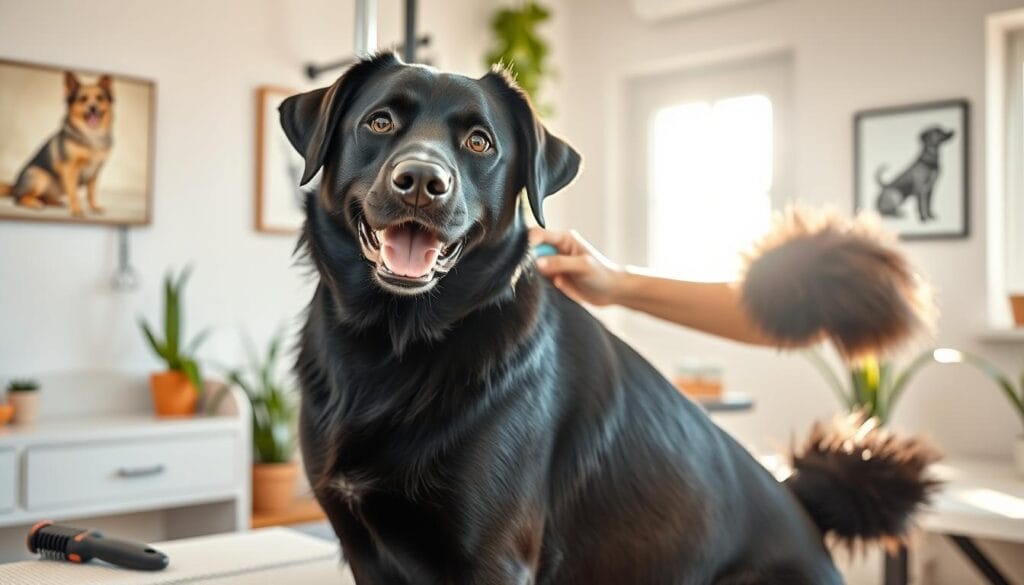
(279, 199)
(911, 167)
(75, 146)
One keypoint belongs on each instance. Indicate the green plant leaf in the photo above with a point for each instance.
(158, 348)
(273, 410)
(171, 315)
(198, 340)
(191, 370)
(821, 364)
(997, 376)
(923, 359)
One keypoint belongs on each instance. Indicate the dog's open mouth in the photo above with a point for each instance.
(408, 255)
(93, 119)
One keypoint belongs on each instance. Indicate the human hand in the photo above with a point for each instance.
(578, 270)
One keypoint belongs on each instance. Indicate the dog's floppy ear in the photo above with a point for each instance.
(71, 85)
(107, 85)
(550, 164)
(311, 119)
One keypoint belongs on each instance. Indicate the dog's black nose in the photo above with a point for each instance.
(419, 183)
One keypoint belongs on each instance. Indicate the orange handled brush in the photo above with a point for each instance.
(79, 545)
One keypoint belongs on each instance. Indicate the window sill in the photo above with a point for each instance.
(1002, 335)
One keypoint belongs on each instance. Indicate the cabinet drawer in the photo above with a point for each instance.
(59, 476)
(8, 480)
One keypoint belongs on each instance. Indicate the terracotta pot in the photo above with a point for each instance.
(6, 412)
(173, 394)
(273, 486)
(26, 406)
(1017, 305)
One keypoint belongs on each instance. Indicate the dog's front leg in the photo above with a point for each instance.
(91, 192)
(69, 183)
(924, 202)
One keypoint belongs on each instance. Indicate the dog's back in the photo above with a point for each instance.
(646, 489)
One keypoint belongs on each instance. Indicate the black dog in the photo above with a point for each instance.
(464, 422)
(918, 180)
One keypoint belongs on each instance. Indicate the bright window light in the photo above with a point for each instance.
(711, 178)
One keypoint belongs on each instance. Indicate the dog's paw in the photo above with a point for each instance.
(97, 209)
(31, 203)
(77, 212)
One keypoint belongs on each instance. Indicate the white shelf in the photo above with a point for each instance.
(1007, 335)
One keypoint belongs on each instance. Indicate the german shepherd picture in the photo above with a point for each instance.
(74, 172)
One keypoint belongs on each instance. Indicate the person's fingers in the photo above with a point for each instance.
(563, 284)
(552, 265)
(565, 242)
(536, 235)
(579, 243)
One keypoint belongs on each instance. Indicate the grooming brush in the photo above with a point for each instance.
(79, 545)
(544, 250)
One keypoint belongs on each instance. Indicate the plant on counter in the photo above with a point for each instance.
(177, 390)
(520, 48)
(274, 428)
(1015, 394)
(22, 385)
(874, 386)
(23, 400)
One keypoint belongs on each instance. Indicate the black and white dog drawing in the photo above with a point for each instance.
(918, 180)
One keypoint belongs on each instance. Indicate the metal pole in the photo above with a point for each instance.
(410, 32)
(366, 26)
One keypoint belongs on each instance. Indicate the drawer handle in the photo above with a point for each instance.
(133, 472)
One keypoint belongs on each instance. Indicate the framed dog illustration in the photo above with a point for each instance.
(279, 200)
(75, 146)
(911, 167)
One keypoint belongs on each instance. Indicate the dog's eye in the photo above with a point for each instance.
(381, 123)
(478, 142)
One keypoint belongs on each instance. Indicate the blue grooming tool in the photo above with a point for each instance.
(544, 250)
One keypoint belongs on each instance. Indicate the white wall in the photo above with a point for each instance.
(847, 55)
(57, 311)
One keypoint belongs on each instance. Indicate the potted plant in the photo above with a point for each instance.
(1013, 394)
(23, 395)
(177, 390)
(874, 386)
(274, 430)
(520, 49)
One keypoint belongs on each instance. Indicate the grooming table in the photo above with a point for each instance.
(978, 499)
(271, 555)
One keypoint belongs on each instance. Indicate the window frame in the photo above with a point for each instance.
(999, 31)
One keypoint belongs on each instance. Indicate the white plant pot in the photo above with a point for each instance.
(1018, 454)
(26, 406)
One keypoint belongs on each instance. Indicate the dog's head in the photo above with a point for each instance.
(934, 136)
(424, 168)
(89, 105)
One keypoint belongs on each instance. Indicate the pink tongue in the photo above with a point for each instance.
(410, 251)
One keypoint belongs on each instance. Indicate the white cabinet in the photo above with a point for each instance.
(8, 480)
(133, 475)
(62, 476)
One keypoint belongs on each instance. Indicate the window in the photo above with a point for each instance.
(711, 174)
(1004, 160)
(707, 155)
(1015, 162)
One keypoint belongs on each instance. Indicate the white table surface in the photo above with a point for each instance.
(270, 556)
(981, 499)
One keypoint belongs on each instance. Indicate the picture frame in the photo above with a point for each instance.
(77, 146)
(279, 199)
(912, 167)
